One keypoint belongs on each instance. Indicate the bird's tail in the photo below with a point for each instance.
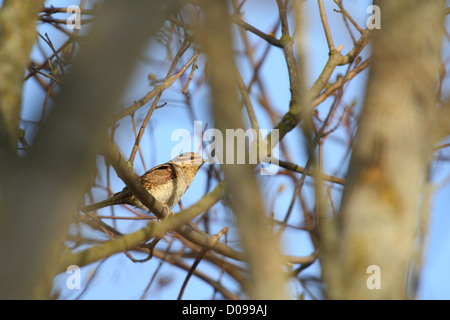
(101, 204)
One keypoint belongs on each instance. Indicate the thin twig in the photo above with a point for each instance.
(191, 75)
(246, 101)
(149, 96)
(326, 28)
(181, 51)
(299, 169)
(273, 41)
(349, 17)
(199, 258)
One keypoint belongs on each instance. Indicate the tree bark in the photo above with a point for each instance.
(17, 36)
(377, 223)
(267, 279)
(39, 194)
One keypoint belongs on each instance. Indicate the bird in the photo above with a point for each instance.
(167, 182)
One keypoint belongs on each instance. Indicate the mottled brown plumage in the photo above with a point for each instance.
(166, 182)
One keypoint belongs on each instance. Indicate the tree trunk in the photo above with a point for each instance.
(379, 214)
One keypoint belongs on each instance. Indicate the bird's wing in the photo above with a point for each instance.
(155, 176)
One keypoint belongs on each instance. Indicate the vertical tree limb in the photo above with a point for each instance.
(260, 246)
(17, 36)
(381, 202)
(40, 192)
